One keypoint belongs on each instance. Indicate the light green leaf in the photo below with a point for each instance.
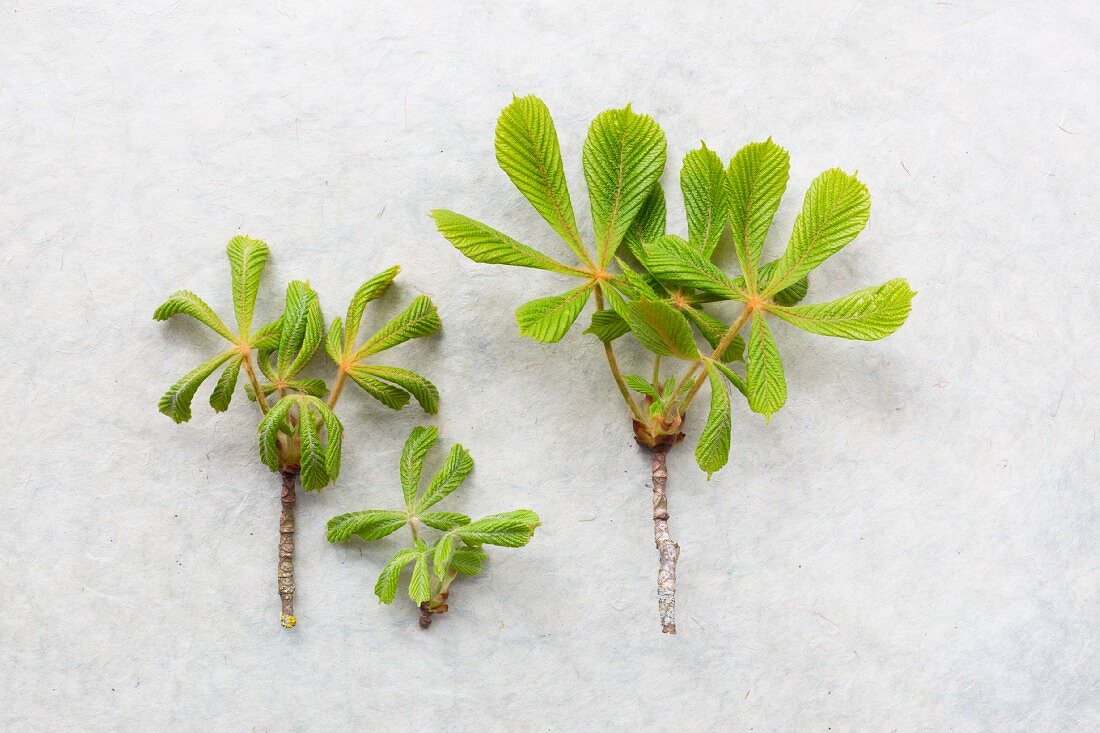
(176, 402)
(661, 329)
(641, 385)
(672, 260)
(648, 226)
(387, 394)
(767, 388)
(247, 258)
(444, 521)
(636, 284)
(549, 319)
(370, 290)
(266, 337)
(866, 315)
(794, 293)
(386, 586)
(835, 210)
(334, 341)
(441, 557)
(418, 320)
(450, 476)
(274, 421)
(334, 439)
(510, 529)
(419, 442)
(311, 387)
(528, 151)
(756, 179)
(419, 387)
(186, 302)
(313, 471)
(420, 584)
(372, 524)
(607, 325)
(733, 377)
(623, 157)
(227, 382)
(706, 201)
(713, 331)
(714, 442)
(302, 329)
(468, 560)
(482, 243)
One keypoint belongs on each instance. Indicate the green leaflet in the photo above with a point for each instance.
(313, 471)
(386, 586)
(302, 330)
(607, 325)
(227, 382)
(549, 319)
(444, 521)
(756, 179)
(442, 553)
(419, 387)
(713, 330)
(623, 157)
(706, 201)
(866, 315)
(247, 258)
(648, 226)
(661, 329)
(641, 385)
(334, 341)
(714, 442)
(420, 584)
(372, 289)
(387, 394)
(673, 260)
(419, 319)
(176, 402)
(482, 243)
(733, 377)
(371, 524)
(510, 529)
(186, 302)
(794, 293)
(835, 210)
(267, 337)
(319, 460)
(528, 151)
(450, 476)
(275, 421)
(767, 388)
(468, 560)
(419, 442)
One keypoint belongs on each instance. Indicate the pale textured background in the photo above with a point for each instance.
(910, 545)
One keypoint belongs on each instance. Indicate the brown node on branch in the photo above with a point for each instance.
(428, 609)
(658, 433)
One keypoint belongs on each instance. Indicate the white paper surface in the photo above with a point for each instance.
(910, 545)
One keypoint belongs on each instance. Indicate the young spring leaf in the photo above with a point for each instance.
(442, 554)
(468, 560)
(756, 179)
(549, 319)
(419, 387)
(247, 258)
(419, 442)
(176, 402)
(607, 325)
(302, 330)
(450, 476)
(482, 243)
(227, 382)
(641, 385)
(510, 529)
(713, 330)
(386, 586)
(372, 524)
(419, 319)
(767, 388)
(734, 378)
(313, 472)
(276, 420)
(673, 260)
(372, 289)
(648, 226)
(714, 442)
(387, 394)
(420, 584)
(623, 157)
(835, 210)
(706, 201)
(528, 151)
(444, 521)
(866, 315)
(794, 293)
(661, 329)
(186, 302)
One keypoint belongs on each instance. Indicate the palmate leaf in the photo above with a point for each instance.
(528, 151)
(227, 382)
(755, 180)
(371, 524)
(420, 584)
(419, 442)
(866, 315)
(706, 201)
(713, 331)
(186, 302)
(549, 319)
(419, 387)
(510, 529)
(301, 332)
(176, 402)
(450, 476)
(372, 289)
(386, 585)
(247, 258)
(387, 394)
(319, 462)
(714, 442)
(661, 329)
(675, 261)
(835, 210)
(767, 388)
(648, 226)
(623, 157)
(419, 319)
(482, 243)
